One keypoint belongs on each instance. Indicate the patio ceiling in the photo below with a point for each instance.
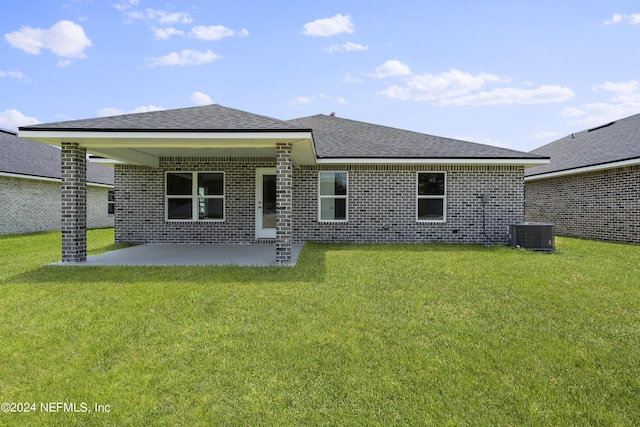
(146, 148)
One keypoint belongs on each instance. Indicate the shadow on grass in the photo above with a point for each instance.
(310, 268)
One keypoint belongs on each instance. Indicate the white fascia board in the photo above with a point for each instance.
(105, 161)
(35, 178)
(425, 161)
(585, 169)
(42, 178)
(86, 136)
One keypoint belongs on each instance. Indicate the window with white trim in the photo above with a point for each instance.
(111, 202)
(194, 196)
(333, 196)
(431, 194)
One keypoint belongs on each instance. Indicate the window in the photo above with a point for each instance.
(111, 202)
(333, 196)
(195, 196)
(432, 203)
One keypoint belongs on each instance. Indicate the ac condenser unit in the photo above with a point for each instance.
(534, 236)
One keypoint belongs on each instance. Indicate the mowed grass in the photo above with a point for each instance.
(353, 335)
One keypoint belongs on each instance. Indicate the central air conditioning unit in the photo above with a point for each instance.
(534, 236)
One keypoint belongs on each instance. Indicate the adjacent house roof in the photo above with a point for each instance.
(25, 158)
(343, 138)
(214, 130)
(602, 147)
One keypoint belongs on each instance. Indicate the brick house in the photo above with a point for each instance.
(30, 188)
(591, 187)
(214, 174)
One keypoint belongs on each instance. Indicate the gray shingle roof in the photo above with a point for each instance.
(24, 157)
(342, 138)
(333, 137)
(611, 142)
(210, 117)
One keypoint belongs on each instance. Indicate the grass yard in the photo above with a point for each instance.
(353, 335)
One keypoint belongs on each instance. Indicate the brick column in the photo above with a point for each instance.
(284, 205)
(74, 202)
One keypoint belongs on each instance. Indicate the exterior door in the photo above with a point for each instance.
(265, 203)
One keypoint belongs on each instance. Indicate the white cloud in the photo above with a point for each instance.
(215, 32)
(12, 119)
(63, 63)
(428, 87)
(633, 19)
(545, 94)
(199, 98)
(346, 47)
(301, 100)
(348, 78)
(327, 27)
(65, 39)
(622, 91)
(14, 75)
(625, 101)
(160, 16)
(110, 111)
(342, 101)
(166, 33)
(186, 57)
(309, 99)
(125, 5)
(391, 68)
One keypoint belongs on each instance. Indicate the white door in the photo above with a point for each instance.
(265, 203)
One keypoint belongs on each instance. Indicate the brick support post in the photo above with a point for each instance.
(74, 202)
(284, 203)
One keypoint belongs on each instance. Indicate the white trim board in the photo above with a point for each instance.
(584, 169)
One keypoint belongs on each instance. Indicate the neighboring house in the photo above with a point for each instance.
(591, 188)
(30, 196)
(218, 175)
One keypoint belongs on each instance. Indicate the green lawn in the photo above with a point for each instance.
(353, 335)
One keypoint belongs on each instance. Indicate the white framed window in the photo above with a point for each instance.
(431, 194)
(333, 196)
(194, 196)
(111, 202)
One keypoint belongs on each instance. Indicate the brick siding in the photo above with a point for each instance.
(602, 205)
(30, 205)
(382, 204)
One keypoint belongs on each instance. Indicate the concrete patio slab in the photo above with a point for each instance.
(256, 255)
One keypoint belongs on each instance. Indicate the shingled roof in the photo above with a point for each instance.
(207, 118)
(609, 143)
(21, 156)
(333, 137)
(343, 138)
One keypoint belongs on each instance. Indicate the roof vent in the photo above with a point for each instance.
(601, 127)
(534, 236)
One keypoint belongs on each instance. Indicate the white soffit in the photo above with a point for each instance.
(146, 148)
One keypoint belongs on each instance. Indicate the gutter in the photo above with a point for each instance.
(584, 169)
(48, 179)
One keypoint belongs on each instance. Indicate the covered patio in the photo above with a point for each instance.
(194, 135)
(249, 255)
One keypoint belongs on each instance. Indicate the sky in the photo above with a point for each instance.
(509, 73)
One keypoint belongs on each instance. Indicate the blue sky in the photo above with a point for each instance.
(516, 74)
